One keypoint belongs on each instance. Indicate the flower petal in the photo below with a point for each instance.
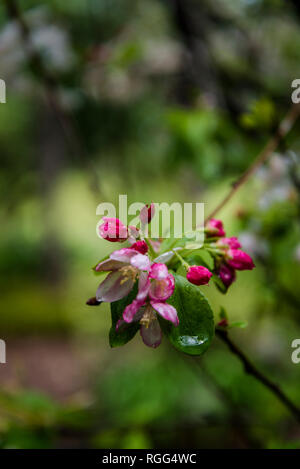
(108, 265)
(140, 261)
(161, 290)
(198, 275)
(113, 288)
(158, 271)
(123, 255)
(155, 244)
(232, 242)
(239, 260)
(215, 228)
(144, 285)
(165, 257)
(167, 311)
(112, 229)
(140, 246)
(152, 335)
(147, 213)
(133, 234)
(227, 274)
(121, 324)
(130, 312)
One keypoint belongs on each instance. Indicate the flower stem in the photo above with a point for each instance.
(151, 250)
(258, 375)
(214, 250)
(183, 262)
(282, 130)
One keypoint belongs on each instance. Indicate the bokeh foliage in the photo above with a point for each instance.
(169, 101)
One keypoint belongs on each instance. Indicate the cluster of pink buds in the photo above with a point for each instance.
(143, 264)
(228, 255)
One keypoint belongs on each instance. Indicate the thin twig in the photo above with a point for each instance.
(282, 130)
(238, 418)
(258, 375)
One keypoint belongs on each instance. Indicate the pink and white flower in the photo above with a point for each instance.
(154, 289)
(125, 266)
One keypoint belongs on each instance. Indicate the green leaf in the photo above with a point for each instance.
(223, 313)
(199, 257)
(128, 331)
(167, 245)
(195, 331)
(262, 115)
(192, 257)
(181, 270)
(219, 284)
(240, 324)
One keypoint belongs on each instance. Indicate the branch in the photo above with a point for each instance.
(252, 370)
(282, 130)
(237, 416)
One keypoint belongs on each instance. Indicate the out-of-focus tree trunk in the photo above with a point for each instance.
(52, 154)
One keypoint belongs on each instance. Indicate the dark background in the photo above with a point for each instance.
(162, 101)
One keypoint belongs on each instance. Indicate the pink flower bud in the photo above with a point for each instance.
(147, 213)
(113, 230)
(232, 242)
(93, 301)
(198, 275)
(227, 275)
(239, 260)
(223, 323)
(215, 228)
(140, 246)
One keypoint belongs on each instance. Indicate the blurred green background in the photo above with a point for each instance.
(163, 101)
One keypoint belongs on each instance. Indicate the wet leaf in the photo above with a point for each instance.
(196, 325)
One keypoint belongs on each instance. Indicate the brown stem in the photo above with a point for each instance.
(237, 417)
(252, 370)
(282, 130)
